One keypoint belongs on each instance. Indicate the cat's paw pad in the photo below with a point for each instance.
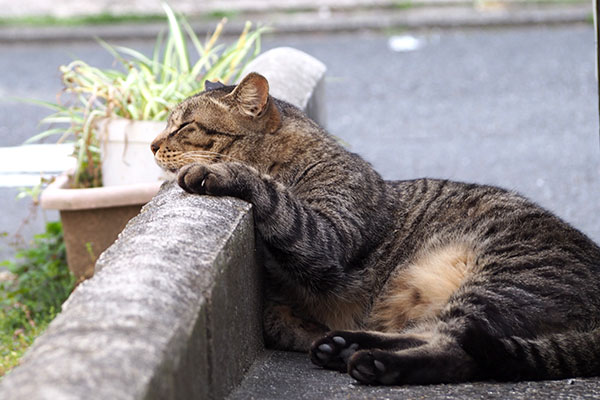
(373, 367)
(333, 351)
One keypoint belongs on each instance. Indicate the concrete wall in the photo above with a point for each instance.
(173, 310)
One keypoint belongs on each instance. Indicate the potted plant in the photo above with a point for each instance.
(113, 115)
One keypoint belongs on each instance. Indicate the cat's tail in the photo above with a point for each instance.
(556, 356)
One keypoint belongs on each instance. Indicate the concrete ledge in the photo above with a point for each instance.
(172, 312)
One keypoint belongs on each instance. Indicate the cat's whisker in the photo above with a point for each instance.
(213, 153)
(176, 161)
(196, 155)
(187, 158)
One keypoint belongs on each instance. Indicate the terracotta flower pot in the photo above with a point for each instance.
(93, 218)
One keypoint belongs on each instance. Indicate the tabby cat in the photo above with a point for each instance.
(396, 282)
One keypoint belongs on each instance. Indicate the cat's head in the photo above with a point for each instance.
(223, 123)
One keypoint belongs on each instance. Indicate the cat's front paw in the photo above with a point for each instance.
(192, 178)
(221, 179)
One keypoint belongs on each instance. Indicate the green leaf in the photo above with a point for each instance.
(204, 61)
(178, 38)
(47, 104)
(46, 133)
(156, 65)
(135, 54)
(193, 37)
(52, 119)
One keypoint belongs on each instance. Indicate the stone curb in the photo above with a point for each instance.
(161, 318)
(447, 15)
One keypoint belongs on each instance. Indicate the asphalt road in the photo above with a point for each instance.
(515, 108)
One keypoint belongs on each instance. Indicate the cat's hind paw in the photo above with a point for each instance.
(373, 367)
(333, 350)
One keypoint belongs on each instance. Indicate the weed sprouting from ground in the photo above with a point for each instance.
(32, 291)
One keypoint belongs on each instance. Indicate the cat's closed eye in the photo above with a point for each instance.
(180, 129)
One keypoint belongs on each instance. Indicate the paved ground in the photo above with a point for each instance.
(316, 16)
(284, 375)
(515, 108)
(450, 88)
(288, 15)
(511, 107)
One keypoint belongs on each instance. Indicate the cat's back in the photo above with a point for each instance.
(466, 205)
(489, 215)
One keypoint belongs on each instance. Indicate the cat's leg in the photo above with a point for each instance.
(315, 242)
(472, 338)
(284, 330)
(335, 349)
(430, 353)
(441, 360)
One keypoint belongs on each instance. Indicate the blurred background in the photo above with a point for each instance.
(495, 92)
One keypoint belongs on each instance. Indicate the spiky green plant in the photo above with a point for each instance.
(145, 88)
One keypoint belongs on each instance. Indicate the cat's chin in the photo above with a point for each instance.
(169, 175)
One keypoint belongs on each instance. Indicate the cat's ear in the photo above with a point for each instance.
(251, 95)
(208, 85)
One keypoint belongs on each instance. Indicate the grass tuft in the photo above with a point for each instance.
(32, 293)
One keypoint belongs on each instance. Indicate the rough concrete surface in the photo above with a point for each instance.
(284, 375)
(171, 313)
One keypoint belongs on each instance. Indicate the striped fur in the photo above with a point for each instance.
(404, 282)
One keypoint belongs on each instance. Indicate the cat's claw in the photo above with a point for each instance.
(219, 179)
(203, 179)
(188, 178)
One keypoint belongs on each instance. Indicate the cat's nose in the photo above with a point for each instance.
(154, 147)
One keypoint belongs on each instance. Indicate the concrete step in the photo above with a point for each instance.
(22, 166)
